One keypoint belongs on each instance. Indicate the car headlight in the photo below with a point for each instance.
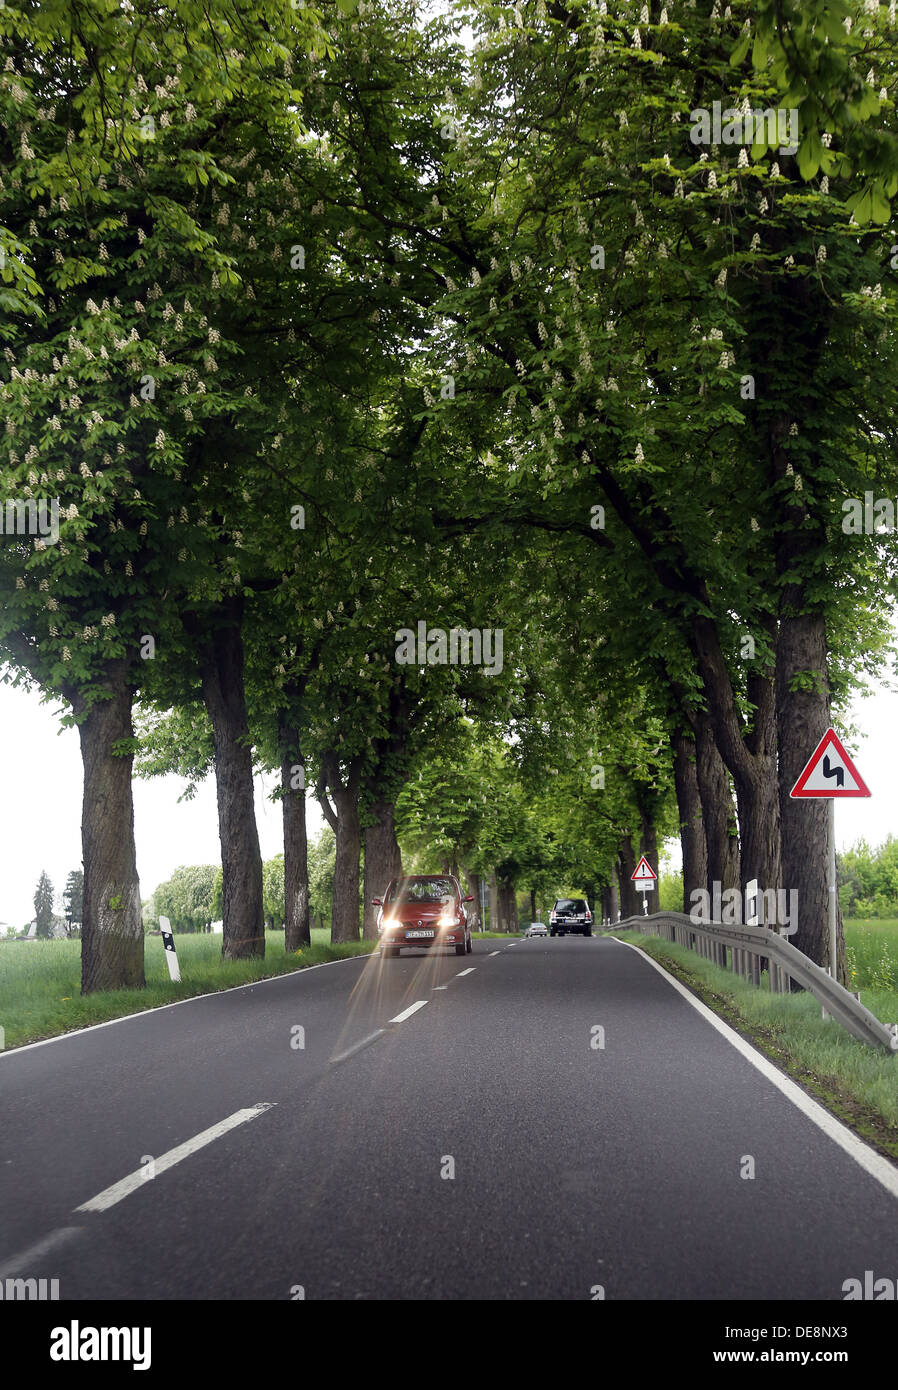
(447, 921)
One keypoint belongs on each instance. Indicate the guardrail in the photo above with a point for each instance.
(742, 948)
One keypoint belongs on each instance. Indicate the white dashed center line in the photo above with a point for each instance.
(110, 1195)
(470, 971)
(26, 1259)
(407, 1013)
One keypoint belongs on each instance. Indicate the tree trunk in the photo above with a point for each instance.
(473, 881)
(533, 904)
(802, 714)
(757, 800)
(221, 665)
(297, 923)
(630, 904)
(383, 862)
(607, 903)
(494, 903)
(689, 805)
(345, 912)
(749, 754)
(803, 717)
(112, 927)
(508, 907)
(718, 815)
(343, 819)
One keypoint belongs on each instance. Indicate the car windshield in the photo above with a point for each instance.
(422, 890)
(570, 905)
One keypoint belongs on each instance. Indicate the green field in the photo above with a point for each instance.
(40, 981)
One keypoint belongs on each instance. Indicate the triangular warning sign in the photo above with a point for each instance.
(830, 772)
(643, 869)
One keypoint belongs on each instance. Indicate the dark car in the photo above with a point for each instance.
(424, 910)
(570, 915)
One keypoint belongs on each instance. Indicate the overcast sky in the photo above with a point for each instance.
(40, 813)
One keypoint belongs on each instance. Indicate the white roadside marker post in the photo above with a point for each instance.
(171, 955)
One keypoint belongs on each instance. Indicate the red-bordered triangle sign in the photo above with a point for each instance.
(830, 772)
(643, 869)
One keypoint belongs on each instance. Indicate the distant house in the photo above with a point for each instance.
(57, 932)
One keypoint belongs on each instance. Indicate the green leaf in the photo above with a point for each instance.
(759, 52)
(861, 206)
(810, 155)
(880, 206)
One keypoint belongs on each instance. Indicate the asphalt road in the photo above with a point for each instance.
(483, 1147)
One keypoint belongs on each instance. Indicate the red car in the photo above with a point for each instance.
(424, 910)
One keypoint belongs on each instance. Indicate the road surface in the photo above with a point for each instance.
(484, 1145)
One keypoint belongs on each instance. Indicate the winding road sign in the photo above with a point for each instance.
(830, 772)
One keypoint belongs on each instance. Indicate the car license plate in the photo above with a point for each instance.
(418, 933)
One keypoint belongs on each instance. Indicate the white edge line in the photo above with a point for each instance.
(868, 1159)
(110, 1195)
(407, 1013)
(176, 1003)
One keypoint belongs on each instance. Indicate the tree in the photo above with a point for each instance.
(273, 892)
(187, 898)
(73, 900)
(111, 127)
(547, 173)
(322, 861)
(43, 906)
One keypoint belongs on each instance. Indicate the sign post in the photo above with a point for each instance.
(644, 878)
(828, 773)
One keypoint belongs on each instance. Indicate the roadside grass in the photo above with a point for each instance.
(40, 981)
(872, 951)
(856, 1082)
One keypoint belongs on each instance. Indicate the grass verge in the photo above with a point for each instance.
(40, 981)
(856, 1083)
